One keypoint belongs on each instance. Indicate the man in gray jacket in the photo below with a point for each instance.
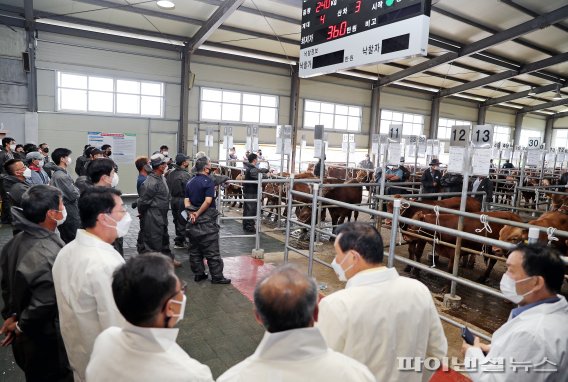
(153, 205)
(30, 307)
(63, 181)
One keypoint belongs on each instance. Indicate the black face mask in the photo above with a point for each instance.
(45, 150)
(109, 153)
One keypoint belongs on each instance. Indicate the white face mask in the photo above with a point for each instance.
(509, 288)
(165, 153)
(13, 147)
(339, 271)
(27, 173)
(182, 304)
(62, 220)
(69, 160)
(123, 225)
(114, 180)
(40, 164)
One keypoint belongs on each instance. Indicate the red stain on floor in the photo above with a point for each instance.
(244, 271)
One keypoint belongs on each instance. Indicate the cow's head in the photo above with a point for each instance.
(510, 234)
(304, 214)
(420, 216)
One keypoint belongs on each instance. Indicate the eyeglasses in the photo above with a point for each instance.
(182, 290)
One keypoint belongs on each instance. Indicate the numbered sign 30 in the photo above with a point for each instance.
(459, 135)
(534, 143)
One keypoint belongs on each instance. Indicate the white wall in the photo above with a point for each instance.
(63, 129)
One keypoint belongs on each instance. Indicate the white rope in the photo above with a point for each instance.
(435, 240)
(399, 235)
(550, 232)
(486, 225)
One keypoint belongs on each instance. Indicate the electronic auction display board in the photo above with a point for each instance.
(342, 34)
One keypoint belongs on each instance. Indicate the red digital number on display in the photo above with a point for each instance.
(322, 19)
(325, 4)
(358, 6)
(335, 31)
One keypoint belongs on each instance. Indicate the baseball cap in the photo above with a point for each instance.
(180, 158)
(158, 159)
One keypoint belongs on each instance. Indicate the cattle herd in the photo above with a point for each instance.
(551, 209)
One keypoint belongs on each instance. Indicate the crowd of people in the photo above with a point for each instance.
(74, 309)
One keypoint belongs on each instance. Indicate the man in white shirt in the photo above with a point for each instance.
(380, 316)
(534, 340)
(152, 300)
(82, 275)
(292, 349)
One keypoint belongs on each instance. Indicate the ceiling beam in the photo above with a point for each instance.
(222, 13)
(528, 68)
(485, 28)
(258, 12)
(531, 13)
(488, 42)
(523, 94)
(560, 115)
(186, 20)
(530, 109)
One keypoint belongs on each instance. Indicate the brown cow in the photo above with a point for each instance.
(516, 235)
(272, 192)
(470, 225)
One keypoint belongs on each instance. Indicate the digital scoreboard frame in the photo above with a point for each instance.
(342, 34)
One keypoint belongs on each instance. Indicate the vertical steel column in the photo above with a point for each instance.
(383, 180)
(375, 115)
(184, 100)
(258, 212)
(434, 118)
(288, 218)
(294, 112)
(518, 127)
(315, 191)
(481, 114)
(548, 132)
(394, 228)
(30, 49)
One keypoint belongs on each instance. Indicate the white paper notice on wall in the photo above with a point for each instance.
(288, 146)
(352, 146)
(375, 148)
(456, 162)
(480, 161)
(344, 146)
(254, 144)
(395, 151)
(534, 157)
(317, 148)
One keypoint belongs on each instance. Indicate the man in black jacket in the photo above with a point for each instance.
(482, 184)
(30, 306)
(250, 191)
(6, 153)
(431, 178)
(177, 180)
(153, 205)
(14, 181)
(80, 163)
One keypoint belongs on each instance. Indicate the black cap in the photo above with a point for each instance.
(180, 158)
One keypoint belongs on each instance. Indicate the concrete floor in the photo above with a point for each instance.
(219, 329)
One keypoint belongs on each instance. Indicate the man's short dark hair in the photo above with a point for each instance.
(140, 162)
(164, 147)
(286, 299)
(252, 157)
(142, 286)
(99, 167)
(201, 163)
(95, 201)
(7, 140)
(22, 146)
(87, 151)
(106, 146)
(541, 260)
(9, 165)
(39, 199)
(363, 238)
(41, 145)
(28, 147)
(59, 153)
(95, 151)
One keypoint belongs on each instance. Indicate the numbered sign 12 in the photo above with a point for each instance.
(459, 135)
(395, 133)
(482, 136)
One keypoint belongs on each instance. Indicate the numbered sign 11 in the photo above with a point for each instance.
(395, 133)
(459, 136)
(482, 136)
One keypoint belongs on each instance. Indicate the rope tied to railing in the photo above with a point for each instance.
(486, 225)
(550, 232)
(435, 240)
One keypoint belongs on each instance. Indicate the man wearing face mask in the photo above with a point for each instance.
(152, 300)
(292, 350)
(153, 205)
(6, 153)
(177, 180)
(368, 320)
(37, 174)
(107, 152)
(61, 179)
(43, 149)
(82, 274)
(30, 309)
(431, 179)
(536, 332)
(250, 191)
(14, 180)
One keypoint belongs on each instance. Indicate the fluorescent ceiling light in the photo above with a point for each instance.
(460, 95)
(359, 74)
(415, 86)
(109, 31)
(511, 105)
(236, 52)
(165, 4)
